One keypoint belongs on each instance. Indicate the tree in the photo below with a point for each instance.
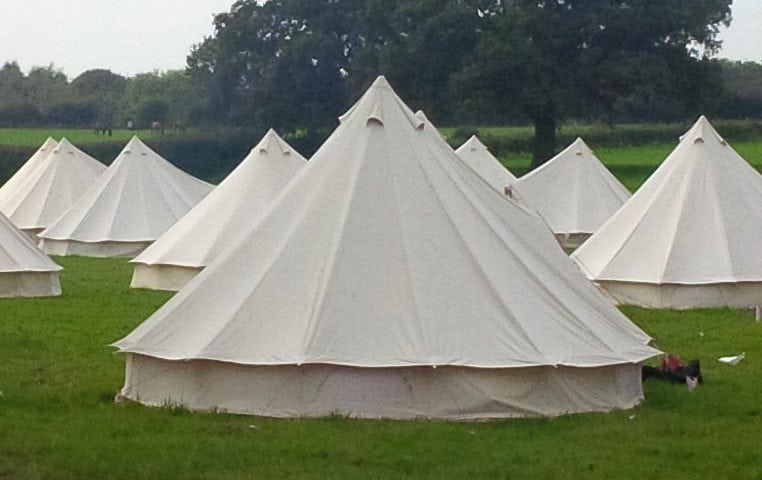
(161, 96)
(743, 89)
(101, 89)
(555, 58)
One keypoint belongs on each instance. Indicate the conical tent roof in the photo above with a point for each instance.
(136, 199)
(696, 220)
(479, 158)
(22, 174)
(18, 254)
(573, 191)
(210, 226)
(59, 180)
(384, 252)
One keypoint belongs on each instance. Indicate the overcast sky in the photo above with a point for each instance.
(133, 36)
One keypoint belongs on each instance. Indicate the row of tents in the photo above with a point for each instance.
(390, 276)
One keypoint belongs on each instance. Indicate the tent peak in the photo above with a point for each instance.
(701, 132)
(48, 146)
(474, 144)
(272, 142)
(135, 145)
(380, 82)
(64, 145)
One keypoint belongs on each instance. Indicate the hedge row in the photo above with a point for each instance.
(606, 136)
(212, 154)
(209, 155)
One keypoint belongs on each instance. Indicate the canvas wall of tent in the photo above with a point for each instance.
(25, 271)
(129, 206)
(194, 241)
(389, 280)
(690, 236)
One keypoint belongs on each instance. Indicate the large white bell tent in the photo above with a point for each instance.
(194, 241)
(479, 158)
(51, 188)
(389, 280)
(574, 193)
(690, 236)
(24, 270)
(136, 199)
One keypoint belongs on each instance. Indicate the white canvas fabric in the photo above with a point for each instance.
(208, 228)
(24, 270)
(386, 251)
(52, 187)
(478, 157)
(319, 390)
(696, 222)
(7, 191)
(136, 199)
(573, 192)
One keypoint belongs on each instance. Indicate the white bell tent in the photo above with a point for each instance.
(26, 169)
(136, 199)
(51, 188)
(24, 270)
(690, 236)
(389, 280)
(574, 193)
(194, 241)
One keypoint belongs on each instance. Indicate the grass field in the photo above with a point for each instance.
(33, 137)
(58, 420)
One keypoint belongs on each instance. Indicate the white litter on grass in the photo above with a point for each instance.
(701, 334)
(253, 426)
(631, 417)
(691, 383)
(735, 360)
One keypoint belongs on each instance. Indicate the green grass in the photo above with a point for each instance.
(58, 420)
(33, 137)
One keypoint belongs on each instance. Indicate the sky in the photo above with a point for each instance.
(133, 36)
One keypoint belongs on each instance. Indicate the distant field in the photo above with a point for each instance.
(58, 420)
(32, 137)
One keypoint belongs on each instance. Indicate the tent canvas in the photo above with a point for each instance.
(574, 193)
(480, 159)
(24, 270)
(129, 206)
(8, 190)
(26, 169)
(197, 238)
(689, 237)
(389, 280)
(56, 182)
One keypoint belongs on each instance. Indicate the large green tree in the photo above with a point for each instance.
(101, 90)
(558, 58)
(296, 63)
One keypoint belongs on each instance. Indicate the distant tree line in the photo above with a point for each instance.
(45, 97)
(297, 64)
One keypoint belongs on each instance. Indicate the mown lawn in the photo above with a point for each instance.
(58, 420)
(33, 137)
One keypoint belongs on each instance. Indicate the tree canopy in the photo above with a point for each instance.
(296, 63)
